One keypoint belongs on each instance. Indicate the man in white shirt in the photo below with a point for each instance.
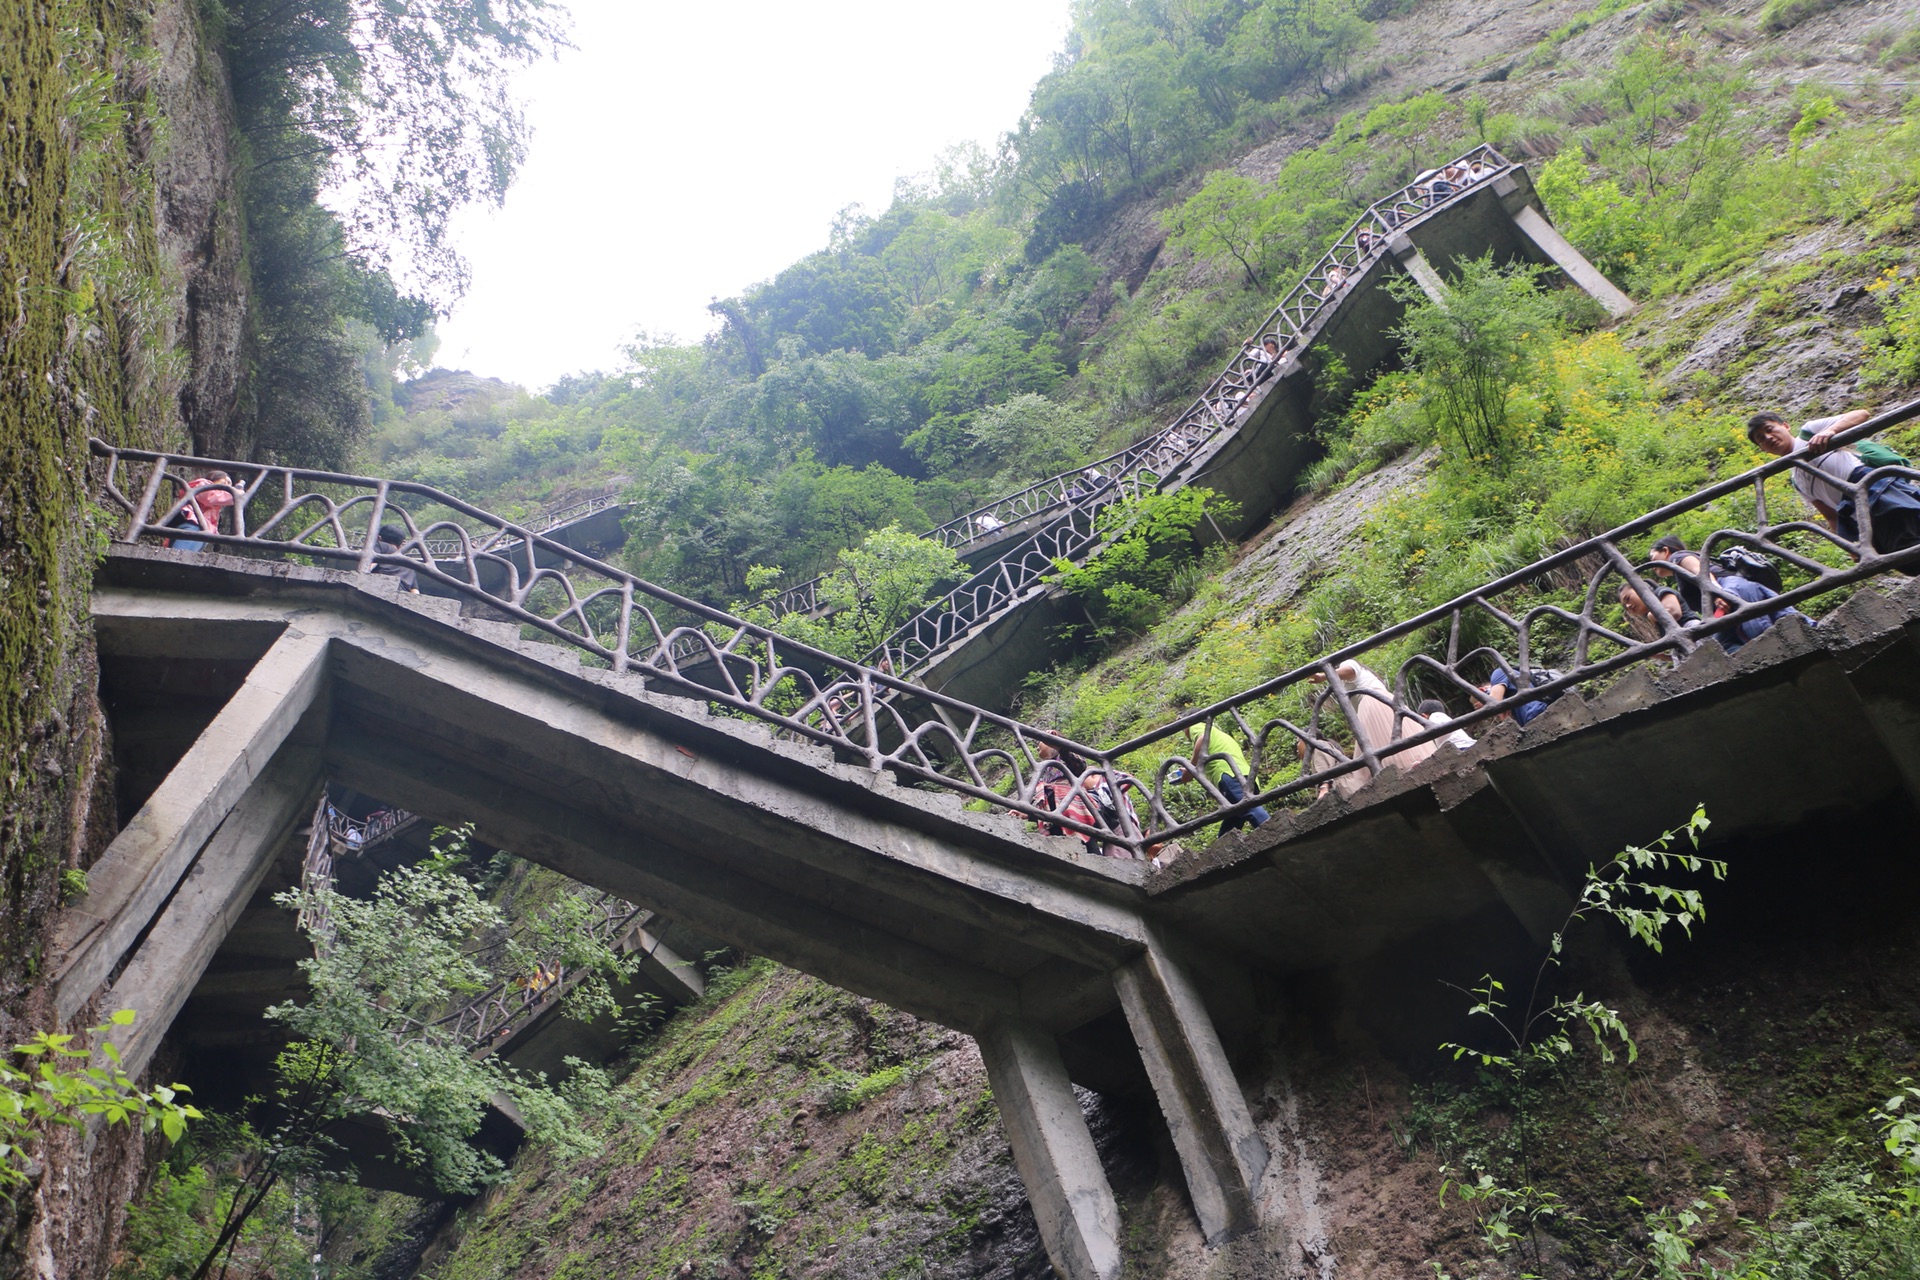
(1826, 483)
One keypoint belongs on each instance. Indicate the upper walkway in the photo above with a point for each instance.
(1246, 436)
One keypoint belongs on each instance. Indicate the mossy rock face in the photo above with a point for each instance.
(780, 1128)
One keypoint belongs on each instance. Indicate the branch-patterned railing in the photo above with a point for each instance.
(361, 834)
(1292, 325)
(1159, 459)
(546, 522)
(1560, 613)
(486, 1019)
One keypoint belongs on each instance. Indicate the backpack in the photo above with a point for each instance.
(1875, 454)
(1545, 675)
(1751, 565)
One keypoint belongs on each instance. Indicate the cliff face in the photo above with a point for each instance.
(119, 184)
(201, 236)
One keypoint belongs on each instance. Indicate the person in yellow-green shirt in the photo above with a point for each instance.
(1218, 756)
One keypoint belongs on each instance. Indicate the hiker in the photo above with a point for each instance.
(1670, 603)
(988, 523)
(203, 512)
(1373, 714)
(1435, 712)
(1502, 687)
(1366, 242)
(1746, 591)
(388, 543)
(1266, 358)
(1093, 804)
(1893, 501)
(1218, 756)
(1336, 279)
(1478, 170)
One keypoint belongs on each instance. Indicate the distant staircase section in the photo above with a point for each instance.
(1248, 433)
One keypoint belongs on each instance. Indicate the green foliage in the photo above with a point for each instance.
(64, 1087)
(1893, 345)
(1475, 351)
(73, 885)
(875, 587)
(1145, 542)
(1031, 437)
(1784, 15)
(1534, 1041)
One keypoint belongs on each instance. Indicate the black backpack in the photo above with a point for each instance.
(1545, 675)
(1750, 565)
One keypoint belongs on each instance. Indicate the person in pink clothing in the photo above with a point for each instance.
(203, 513)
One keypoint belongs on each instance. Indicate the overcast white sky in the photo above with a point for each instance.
(683, 151)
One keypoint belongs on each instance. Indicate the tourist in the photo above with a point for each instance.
(1684, 569)
(1670, 602)
(203, 511)
(1219, 757)
(1745, 591)
(988, 523)
(1054, 790)
(1365, 242)
(392, 537)
(1434, 712)
(1893, 501)
(1336, 279)
(1373, 713)
(1504, 688)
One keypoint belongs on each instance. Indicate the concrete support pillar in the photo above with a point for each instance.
(664, 966)
(1570, 260)
(1222, 1155)
(140, 869)
(1419, 268)
(1054, 1151)
(167, 966)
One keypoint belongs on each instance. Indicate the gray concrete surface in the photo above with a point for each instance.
(964, 917)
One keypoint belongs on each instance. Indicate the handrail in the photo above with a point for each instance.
(484, 1020)
(890, 723)
(359, 834)
(1159, 458)
(546, 521)
(1237, 388)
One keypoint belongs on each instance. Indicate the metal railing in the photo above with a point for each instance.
(1216, 411)
(545, 522)
(359, 834)
(1559, 614)
(488, 1018)
(1157, 461)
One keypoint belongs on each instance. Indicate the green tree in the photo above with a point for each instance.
(878, 585)
(1031, 437)
(1228, 217)
(368, 1040)
(1145, 543)
(1472, 349)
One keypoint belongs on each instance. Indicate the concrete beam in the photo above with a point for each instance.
(735, 908)
(145, 862)
(1079, 1222)
(224, 878)
(1221, 1153)
(1570, 260)
(1419, 268)
(664, 967)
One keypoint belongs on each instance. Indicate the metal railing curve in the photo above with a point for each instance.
(1556, 615)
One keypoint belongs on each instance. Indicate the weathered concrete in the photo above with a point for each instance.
(1570, 260)
(903, 895)
(1220, 1153)
(168, 964)
(1258, 465)
(140, 868)
(1053, 1150)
